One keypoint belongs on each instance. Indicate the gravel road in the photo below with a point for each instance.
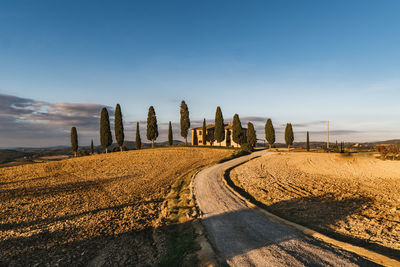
(246, 237)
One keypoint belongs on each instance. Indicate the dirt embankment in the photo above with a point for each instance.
(97, 209)
(354, 197)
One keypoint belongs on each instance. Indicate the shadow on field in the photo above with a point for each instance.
(52, 248)
(110, 238)
(318, 213)
(36, 224)
(25, 180)
(62, 188)
(144, 247)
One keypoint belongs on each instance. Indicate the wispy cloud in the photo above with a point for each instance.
(31, 122)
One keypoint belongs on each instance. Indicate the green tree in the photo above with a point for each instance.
(170, 136)
(308, 141)
(91, 147)
(289, 136)
(74, 140)
(251, 135)
(138, 140)
(119, 127)
(152, 128)
(237, 130)
(269, 133)
(219, 132)
(185, 121)
(105, 131)
(204, 135)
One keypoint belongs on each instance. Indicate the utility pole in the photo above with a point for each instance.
(327, 143)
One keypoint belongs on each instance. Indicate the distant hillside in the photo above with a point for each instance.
(390, 142)
(8, 155)
(26, 155)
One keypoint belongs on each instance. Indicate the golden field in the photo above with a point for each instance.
(93, 209)
(356, 198)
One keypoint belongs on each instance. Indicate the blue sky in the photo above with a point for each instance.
(303, 62)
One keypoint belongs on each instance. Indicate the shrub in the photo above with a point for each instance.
(389, 151)
(246, 148)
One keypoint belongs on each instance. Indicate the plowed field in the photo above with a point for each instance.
(94, 209)
(353, 197)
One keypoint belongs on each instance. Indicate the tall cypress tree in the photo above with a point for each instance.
(105, 131)
(308, 141)
(237, 130)
(119, 127)
(152, 128)
(269, 133)
(91, 147)
(74, 140)
(204, 135)
(289, 136)
(195, 139)
(170, 136)
(138, 139)
(251, 135)
(219, 132)
(185, 121)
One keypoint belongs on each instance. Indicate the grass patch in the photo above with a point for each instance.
(181, 237)
(181, 244)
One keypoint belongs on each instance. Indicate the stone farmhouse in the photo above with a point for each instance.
(197, 136)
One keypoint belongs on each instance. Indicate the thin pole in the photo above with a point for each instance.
(327, 143)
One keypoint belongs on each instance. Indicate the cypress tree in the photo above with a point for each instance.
(289, 136)
(219, 132)
(269, 133)
(138, 140)
(119, 127)
(91, 147)
(74, 140)
(251, 135)
(195, 138)
(170, 136)
(152, 128)
(204, 136)
(308, 141)
(105, 131)
(185, 121)
(237, 130)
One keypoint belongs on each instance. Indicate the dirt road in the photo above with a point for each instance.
(246, 237)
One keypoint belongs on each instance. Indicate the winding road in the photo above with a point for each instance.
(243, 236)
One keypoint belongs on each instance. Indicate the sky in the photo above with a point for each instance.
(303, 62)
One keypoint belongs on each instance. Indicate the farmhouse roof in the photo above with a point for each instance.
(210, 126)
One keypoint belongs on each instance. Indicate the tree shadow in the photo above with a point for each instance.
(62, 188)
(37, 223)
(25, 180)
(145, 247)
(318, 213)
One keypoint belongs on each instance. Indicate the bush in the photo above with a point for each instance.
(246, 148)
(389, 151)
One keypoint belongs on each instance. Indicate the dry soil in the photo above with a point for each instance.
(91, 210)
(354, 197)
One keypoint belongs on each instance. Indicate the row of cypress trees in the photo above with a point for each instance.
(151, 134)
(239, 135)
